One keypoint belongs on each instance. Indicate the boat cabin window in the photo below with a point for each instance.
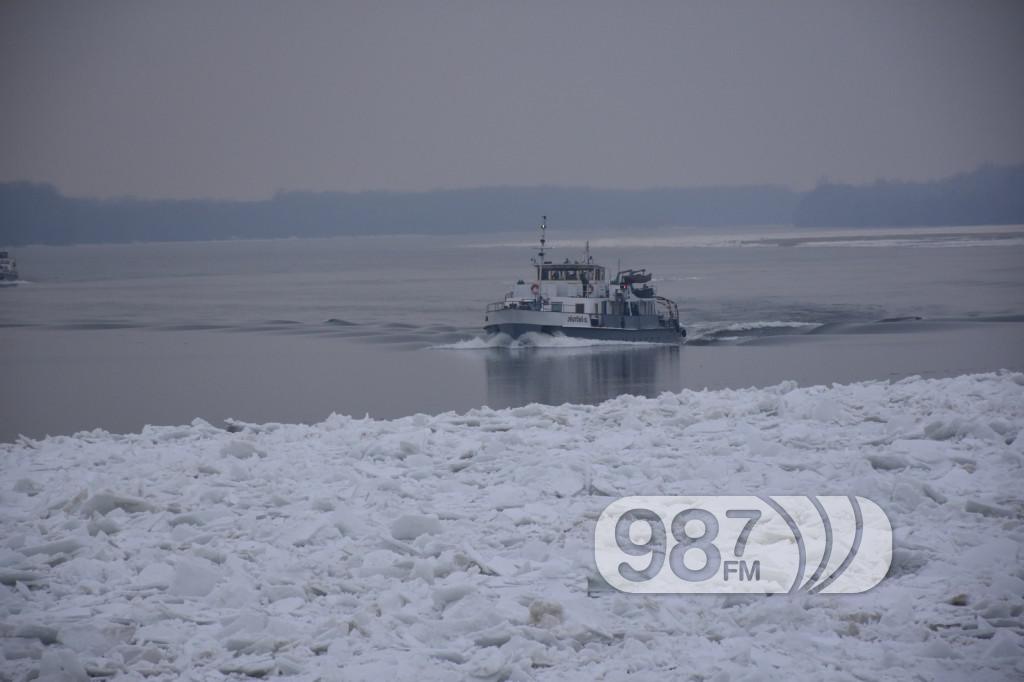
(571, 273)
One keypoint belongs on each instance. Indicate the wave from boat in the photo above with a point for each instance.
(731, 331)
(536, 340)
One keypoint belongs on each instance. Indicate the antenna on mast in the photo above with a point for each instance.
(543, 227)
(586, 253)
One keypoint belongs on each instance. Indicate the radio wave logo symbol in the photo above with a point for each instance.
(743, 544)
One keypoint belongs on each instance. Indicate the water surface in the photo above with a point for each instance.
(118, 336)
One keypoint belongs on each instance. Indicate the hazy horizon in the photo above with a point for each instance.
(823, 180)
(31, 213)
(243, 100)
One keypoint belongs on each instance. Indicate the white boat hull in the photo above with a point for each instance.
(645, 328)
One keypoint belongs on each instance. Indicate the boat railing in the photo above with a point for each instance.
(667, 308)
(533, 305)
(511, 304)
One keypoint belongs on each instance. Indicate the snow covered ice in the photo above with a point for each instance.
(460, 545)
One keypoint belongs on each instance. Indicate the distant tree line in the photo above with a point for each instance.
(34, 213)
(990, 195)
(39, 214)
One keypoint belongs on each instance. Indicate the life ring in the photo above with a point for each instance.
(534, 288)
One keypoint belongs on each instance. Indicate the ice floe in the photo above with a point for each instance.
(460, 545)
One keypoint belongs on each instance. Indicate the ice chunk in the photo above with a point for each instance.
(987, 510)
(411, 526)
(14, 649)
(888, 462)
(27, 486)
(545, 613)
(934, 494)
(303, 533)
(192, 519)
(348, 521)
(102, 524)
(236, 594)
(104, 503)
(283, 606)
(252, 666)
(506, 496)
(278, 592)
(958, 427)
(1005, 644)
(94, 637)
(937, 648)
(246, 622)
(44, 633)
(443, 596)
(155, 575)
(323, 504)
(238, 472)
(423, 569)
(241, 449)
(66, 546)
(194, 577)
(11, 576)
(286, 665)
(61, 665)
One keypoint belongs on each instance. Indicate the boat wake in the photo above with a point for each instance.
(537, 340)
(709, 333)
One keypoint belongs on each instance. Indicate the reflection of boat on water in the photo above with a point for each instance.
(8, 269)
(587, 375)
(577, 299)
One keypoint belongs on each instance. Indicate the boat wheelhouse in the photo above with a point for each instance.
(8, 268)
(578, 298)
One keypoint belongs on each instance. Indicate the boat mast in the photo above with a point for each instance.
(543, 227)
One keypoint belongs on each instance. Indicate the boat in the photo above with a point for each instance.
(578, 299)
(8, 268)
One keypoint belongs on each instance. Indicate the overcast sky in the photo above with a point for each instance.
(240, 99)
